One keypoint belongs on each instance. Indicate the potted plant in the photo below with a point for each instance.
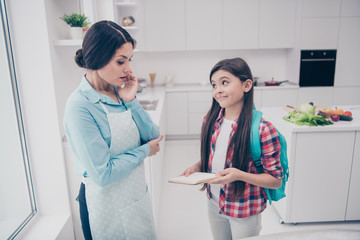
(76, 22)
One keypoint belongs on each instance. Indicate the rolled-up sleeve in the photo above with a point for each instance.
(92, 151)
(270, 150)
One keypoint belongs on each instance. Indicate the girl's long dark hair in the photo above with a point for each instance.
(240, 140)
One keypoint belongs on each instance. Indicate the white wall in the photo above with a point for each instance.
(37, 93)
(187, 67)
(194, 66)
(66, 74)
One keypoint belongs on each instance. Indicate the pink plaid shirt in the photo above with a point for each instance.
(254, 198)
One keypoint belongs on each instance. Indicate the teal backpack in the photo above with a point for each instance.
(255, 151)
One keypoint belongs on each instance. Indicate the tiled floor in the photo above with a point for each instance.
(184, 211)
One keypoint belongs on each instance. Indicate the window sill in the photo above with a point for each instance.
(48, 227)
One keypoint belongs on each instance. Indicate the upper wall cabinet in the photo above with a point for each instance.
(240, 24)
(321, 8)
(347, 72)
(350, 8)
(165, 25)
(203, 24)
(320, 24)
(277, 23)
(251, 24)
(320, 33)
(219, 24)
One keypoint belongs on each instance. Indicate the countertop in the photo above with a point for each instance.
(275, 115)
(159, 92)
(286, 85)
(207, 87)
(149, 93)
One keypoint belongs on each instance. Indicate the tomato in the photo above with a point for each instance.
(347, 113)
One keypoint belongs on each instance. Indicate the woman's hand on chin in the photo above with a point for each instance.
(128, 92)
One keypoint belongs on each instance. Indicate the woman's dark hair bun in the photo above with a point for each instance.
(100, 44)
(79, 58)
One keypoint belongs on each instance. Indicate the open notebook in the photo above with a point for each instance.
(193, 179)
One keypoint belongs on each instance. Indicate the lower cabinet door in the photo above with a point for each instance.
(197, 112)
(177, 113)
(353, 209)
(321, 176)
(195, 122)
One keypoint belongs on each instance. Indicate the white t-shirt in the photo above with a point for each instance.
(219, 157)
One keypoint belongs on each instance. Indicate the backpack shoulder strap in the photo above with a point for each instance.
(255, 147)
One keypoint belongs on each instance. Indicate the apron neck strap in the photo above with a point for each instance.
(103, 106)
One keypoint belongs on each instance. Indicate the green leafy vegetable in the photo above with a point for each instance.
(307, 117)
(307, 108)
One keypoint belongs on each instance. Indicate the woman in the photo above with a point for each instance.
(237, 196)
(111, 135)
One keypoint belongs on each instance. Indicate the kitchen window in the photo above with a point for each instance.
(17, 201)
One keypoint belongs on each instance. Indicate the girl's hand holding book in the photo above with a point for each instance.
(194, 168)
(227, 176)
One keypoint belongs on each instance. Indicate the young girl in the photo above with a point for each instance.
(237, 195)
(110, 135)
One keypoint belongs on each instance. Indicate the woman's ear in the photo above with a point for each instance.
(248, 85)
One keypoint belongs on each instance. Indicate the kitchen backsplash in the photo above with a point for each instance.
(194, 67)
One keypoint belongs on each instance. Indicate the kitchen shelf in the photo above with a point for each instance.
(68, 42)
(130, 27)
(126, 4)
(73, 43)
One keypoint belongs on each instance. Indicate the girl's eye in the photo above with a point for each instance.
(213, 85)
(225, 82)
(120, 63)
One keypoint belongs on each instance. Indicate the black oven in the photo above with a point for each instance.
(317, 68)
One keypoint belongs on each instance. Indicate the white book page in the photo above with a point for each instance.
(193, 179)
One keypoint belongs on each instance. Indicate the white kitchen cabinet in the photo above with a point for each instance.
(165, 25)
(317, 195)
(346, 95)
(195, 120)
(279, 97)
(74, 181)
(277, 24)
(257, 98)
(240, 24)
(203, 24)
(320, 33)
(219, 24)
(350, 8)
(320, 24)
(320, 187)
(199, 105)
(177, 113)
(347, 71)
(353, 210)
(321, 8)
(320, 96)
(155, 171)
